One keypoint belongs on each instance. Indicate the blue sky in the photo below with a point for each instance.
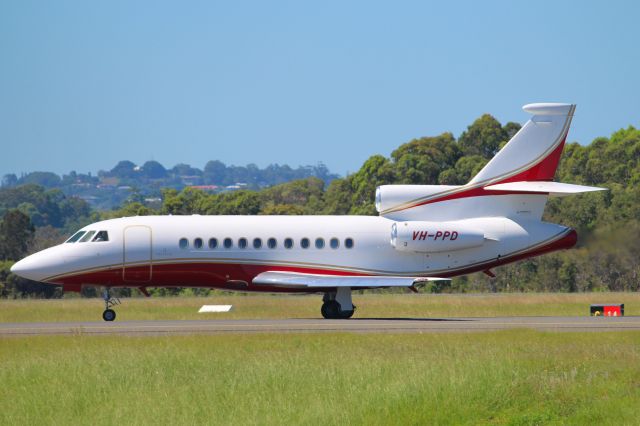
(85, 84)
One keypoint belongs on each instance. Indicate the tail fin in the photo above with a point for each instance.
(523, 171)
(534, 152)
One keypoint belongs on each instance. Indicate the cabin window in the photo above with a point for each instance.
(101, 236)
(335, 243)
(228, 243)
(257, 243)
(319, 243)
(76, 237)
(87, 236)
(213, 243)
(304, 243)
(197, 243)
(288, 243)
(272, 243)
(348, 243)
(242, 243)
(183, 243)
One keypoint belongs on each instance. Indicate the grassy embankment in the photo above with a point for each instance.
(509, 377)
(369, 306)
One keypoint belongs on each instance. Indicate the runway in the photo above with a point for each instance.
(356, 325)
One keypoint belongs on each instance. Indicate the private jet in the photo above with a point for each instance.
(422, 233)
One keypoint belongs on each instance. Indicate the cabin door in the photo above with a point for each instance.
(136, 266)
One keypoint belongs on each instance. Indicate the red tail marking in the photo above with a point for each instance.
(545, 170)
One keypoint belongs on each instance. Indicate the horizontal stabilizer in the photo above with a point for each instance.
(555, 189)
(300, 280)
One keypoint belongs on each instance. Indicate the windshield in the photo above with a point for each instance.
(75, 237)
(87, 236)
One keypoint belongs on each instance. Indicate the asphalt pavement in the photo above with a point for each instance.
(314, 325)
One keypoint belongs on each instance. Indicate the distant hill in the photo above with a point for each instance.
(127, 181)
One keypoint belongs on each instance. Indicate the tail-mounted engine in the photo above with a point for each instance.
(429, 237)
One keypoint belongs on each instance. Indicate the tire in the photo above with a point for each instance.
(330, 310)
(346, 314)
(109, 315)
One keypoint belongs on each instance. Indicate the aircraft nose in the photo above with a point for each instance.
(32, 267)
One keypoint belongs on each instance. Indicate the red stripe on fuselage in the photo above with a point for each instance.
(566, 242)
(193, 274)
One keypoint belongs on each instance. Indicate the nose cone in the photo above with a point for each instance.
(28, 268)
(38, 267)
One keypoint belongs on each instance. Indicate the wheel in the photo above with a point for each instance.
(330, 310)
(109, 315)
(346, 314)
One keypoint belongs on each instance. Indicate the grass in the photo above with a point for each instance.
(507, 377)
(308, 306)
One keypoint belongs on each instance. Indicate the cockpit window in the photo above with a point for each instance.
(101, 236)
(87, 236)
(75, 237)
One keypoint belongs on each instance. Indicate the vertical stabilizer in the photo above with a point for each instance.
(529, 159)
(534, 152)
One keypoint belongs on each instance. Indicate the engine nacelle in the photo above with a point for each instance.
(390, 197)
(431, 237)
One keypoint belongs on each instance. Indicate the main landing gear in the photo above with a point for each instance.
(337, 305)
(109, 302)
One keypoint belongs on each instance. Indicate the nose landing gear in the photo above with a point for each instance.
(109, 315)
(109, 302)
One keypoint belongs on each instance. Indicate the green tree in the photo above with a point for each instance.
(46, 179)
(182, 169)
(421, 161)
(187, 201)
(9, 180)
(282, 209)
(377, 170)
(511, 129)
(215, 173)
(337, 198)
(465, 169)
(237, 203)
(298, 192)
(153, 170)
(484, 137)
(123, 170)
(16, 233)
(130, 209)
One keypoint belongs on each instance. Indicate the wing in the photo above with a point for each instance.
(300, 280)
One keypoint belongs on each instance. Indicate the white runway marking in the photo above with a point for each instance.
(215, 308)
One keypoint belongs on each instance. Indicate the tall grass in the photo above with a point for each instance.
(508, 377)
(308, 306)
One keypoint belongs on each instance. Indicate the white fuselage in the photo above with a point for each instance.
(147, 250)
(424, 232)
